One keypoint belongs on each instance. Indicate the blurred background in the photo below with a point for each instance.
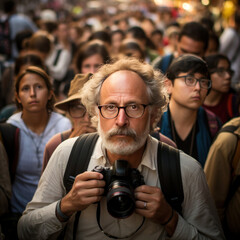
(164, 10)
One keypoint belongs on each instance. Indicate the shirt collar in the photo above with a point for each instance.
(148, 159)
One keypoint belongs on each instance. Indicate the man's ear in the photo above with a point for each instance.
(168, 84)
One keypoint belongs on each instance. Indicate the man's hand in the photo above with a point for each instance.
(88, 188)
(151, 203)
(82, 127)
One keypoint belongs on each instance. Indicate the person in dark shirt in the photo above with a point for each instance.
(186, 122)
(221, 100)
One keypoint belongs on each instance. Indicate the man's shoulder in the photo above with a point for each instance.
(230, 32)
(62, 152)
(68, 143)
(55, 140)
(234, 122)
(189, 165)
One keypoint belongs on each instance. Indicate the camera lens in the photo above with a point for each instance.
(120, 200)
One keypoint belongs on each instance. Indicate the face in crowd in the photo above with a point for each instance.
(189, 90)
(78, 112)
(221, 77)
(126, 100)
(188, 81)
(189, 45)
(123, 132)
(33, 91)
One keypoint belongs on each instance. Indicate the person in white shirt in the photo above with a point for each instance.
(126, 100)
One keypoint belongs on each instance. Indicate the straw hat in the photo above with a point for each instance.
(73, 94)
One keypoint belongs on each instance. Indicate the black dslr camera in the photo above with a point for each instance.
(119, 189)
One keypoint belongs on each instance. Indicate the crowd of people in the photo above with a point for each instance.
(143, 86)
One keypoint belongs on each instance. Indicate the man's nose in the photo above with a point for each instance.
(122, 118)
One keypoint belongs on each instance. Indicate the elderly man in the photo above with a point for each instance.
(127, 99)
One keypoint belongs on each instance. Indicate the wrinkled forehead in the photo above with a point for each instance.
(124, 83)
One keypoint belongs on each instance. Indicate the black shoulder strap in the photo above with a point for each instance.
(169, 172)
(7, 132)
(9, 135)
(79, 158)
(229, 128)
(57, 57)
(77, 163)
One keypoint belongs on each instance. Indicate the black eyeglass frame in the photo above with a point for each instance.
(197, 80)
(123, 107)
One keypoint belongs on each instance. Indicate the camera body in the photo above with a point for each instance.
(121, 180)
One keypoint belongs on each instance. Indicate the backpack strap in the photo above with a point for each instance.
(170, 177)
(57, 57)
(232, 105)
(229, 128)
(165, 62)
(79, 158)
(9, 135)
(77, 163)
(213, 123)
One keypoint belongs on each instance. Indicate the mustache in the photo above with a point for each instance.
(122, 131)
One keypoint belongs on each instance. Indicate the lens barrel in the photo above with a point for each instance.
(120, 199)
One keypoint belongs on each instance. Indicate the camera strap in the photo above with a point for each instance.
(109, 235)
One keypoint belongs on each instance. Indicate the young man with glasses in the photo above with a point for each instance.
(126, 98)
(75, 110)
(220, 100)
(185, 121)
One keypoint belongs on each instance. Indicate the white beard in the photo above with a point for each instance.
(123, 146)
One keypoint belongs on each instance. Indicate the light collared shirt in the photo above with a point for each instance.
(198, 221)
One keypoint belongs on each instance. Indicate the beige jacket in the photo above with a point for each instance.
(218, 169)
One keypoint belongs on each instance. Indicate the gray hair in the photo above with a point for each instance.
(153, 79)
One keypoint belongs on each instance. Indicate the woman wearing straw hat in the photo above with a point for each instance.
(77, 113)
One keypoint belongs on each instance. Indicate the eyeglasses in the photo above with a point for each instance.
(192, 81)
(77, 111)
(111, 111)
(222, 71)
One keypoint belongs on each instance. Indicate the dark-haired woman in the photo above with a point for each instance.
(37, 123)
(220, 100)
(89, 57)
